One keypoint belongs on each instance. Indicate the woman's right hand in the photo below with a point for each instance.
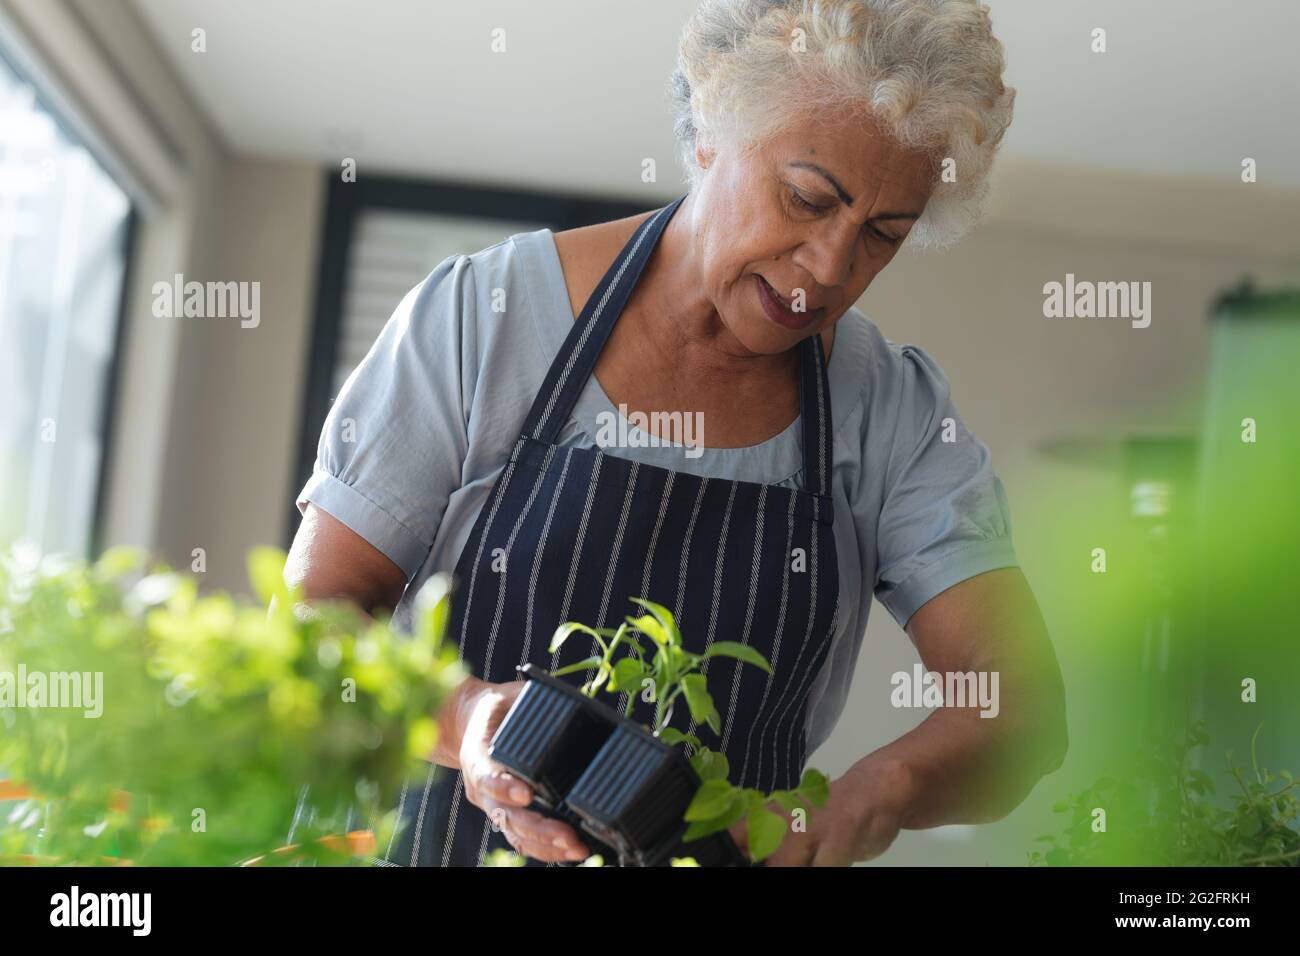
(500, 794)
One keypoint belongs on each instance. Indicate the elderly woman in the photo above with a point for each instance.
(819, 135)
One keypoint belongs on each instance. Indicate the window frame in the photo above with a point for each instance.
(344, 203)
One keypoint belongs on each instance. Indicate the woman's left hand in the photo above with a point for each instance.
(862, 816)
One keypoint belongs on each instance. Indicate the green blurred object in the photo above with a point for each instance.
(214, 715)
(1248, 548)
(1195, 622)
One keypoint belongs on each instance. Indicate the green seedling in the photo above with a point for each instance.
(669, 673)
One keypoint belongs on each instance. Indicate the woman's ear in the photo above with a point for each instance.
(703, 155)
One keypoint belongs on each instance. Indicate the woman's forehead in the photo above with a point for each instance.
(856, 155)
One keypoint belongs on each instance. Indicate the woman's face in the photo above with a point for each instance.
(821, 207)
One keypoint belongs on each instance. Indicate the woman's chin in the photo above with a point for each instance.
(762, 336)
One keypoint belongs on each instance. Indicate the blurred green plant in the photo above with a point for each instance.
(1165, 814)
(672, 672)
(1165, 563)
(503, 858)
(215, 715)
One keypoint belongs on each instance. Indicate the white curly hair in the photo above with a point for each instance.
(928, 71)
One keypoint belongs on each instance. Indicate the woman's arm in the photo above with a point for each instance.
(955, 766)
(329, 560)
(959, 767)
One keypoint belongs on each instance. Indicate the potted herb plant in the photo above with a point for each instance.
(628, 786)
(200, 719)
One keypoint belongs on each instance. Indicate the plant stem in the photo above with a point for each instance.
(1290, 855)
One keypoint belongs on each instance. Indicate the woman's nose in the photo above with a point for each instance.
(829, 260)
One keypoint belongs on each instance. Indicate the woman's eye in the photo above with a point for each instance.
(877, 234)
(805, 204)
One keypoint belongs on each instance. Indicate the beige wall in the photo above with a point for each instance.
(1019, 378)
(246, 389)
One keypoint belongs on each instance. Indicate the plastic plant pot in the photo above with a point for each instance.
(634, 794)
(550, 735)
(607, 853)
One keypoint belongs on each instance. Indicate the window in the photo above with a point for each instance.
(391, 252)
(382, 236)
(64, 233)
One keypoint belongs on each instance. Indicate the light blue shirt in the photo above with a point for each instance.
(424, 425)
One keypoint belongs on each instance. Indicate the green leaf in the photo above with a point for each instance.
(672, 736)
(742, 652)
(766, 831)
(710, 765)
(119, 560)
(503, 858)
(815, 787)
(433, 608)
(736, 809)
(712, 799)
(590, 663)
(1058, 857)
(566, 630)
(628, 674)
(790, 802)
(266, 574)
(698, 698)
(664, 616)
(653, 629)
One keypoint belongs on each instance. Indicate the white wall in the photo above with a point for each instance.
(247, 389)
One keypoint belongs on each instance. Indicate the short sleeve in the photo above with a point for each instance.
(394, 443)
(944, 516)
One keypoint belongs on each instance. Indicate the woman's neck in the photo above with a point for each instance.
(675, 312)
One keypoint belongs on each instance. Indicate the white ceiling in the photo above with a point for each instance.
(1187, 87)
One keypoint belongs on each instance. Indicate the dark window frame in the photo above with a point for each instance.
(344, 202)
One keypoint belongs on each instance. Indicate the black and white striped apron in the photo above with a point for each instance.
(582, 531)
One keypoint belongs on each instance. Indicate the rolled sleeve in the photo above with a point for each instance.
(945, 516)
(392, 450)
(404, 547)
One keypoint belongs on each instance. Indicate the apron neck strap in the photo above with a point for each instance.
(576, 360)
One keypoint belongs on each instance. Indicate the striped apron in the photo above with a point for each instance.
(570, 534)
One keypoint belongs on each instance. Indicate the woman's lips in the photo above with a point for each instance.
(777, 311)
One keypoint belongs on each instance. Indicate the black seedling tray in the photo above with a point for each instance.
(550, 734)
(634, 793)
(590, 766)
